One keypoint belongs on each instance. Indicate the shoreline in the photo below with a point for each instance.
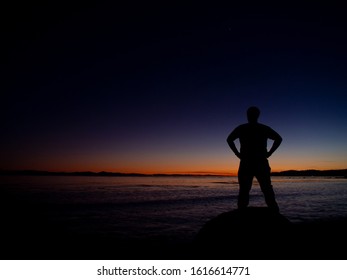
(339, 173)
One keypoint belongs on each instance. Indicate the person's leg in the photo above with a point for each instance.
(245, 176)
(264, 179)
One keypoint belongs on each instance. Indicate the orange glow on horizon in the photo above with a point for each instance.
(232, 172)
(224, 166)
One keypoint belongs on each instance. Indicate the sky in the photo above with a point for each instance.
(158, 88)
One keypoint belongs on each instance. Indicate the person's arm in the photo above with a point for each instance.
(277, 142)
(231, 138)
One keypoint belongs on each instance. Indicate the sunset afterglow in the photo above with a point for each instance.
(154, 94)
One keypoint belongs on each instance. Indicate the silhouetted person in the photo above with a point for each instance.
(254, 156)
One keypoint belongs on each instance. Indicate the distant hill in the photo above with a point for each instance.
(306, 173)
(312, 172)
(50, 173)
(89, 173)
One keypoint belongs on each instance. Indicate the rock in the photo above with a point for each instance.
(243, 234)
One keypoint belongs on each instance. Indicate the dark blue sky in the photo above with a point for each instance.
(143, 87)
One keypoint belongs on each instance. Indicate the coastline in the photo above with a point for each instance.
(340, 173)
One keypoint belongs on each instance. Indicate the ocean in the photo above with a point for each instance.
(167, 207)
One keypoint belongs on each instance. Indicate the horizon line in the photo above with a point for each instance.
(115, 173)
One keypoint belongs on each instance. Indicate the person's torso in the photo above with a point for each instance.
(253, 140)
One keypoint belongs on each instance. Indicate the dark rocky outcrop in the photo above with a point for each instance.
(259, 233)
(250, 232)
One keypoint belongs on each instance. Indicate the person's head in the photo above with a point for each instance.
(253, 114)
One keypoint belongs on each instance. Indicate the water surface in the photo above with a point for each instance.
(165, 207)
